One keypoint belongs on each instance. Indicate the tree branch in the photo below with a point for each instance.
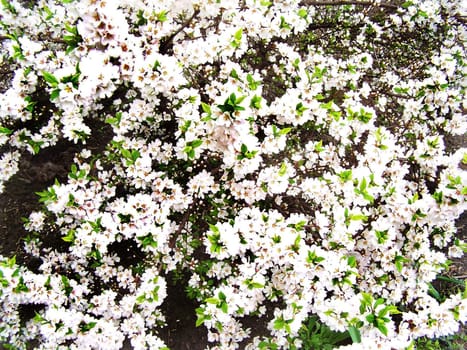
(40, 37)
(344, 2)
(166, 43)
(185, 218)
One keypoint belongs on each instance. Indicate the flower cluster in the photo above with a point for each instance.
(287, 159)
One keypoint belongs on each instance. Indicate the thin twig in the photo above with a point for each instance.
(40, 37)
(50, 39)
(169, 40)
(185, 218)
(343, 2)
(392, 94)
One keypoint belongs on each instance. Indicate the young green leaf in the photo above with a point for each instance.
(5, 131)
(50, 79)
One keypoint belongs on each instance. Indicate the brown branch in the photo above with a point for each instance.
(166, 43)
(50, 39)
(176, 234)
(343, 2)
(5, 71)
(40, 37)
(392, 94)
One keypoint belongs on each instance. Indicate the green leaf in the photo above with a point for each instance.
(265, 3)
(300, 108)
(54, 94)
(381, 236)
(18, 52)
(345, 175)
(206, 108)
(162, 16)
(238, 34)
(438, 197)
(69, 49)
(312, 258)
(255, 102)
(70, 236)
(199, 321)
(363, 185)
(434, 293)
(367, 300)
(141, 20)
(283, 169)
(140, 299)
(279, 323)
(213, 301)
(9, 7)
(201, 317)
(399, 262)
(327, 105)
(238, 100)
(196, 143)
(302, 13)
(390, 309)
(126, 153)
(399, 90)
(50, 79)
(49, 13)
(71, 29)
(370, 318)
(234, 74)
(319, 146)
(214, 228)
(378, 302)
(114, 120)
(284, 24)
(358, 217)
(382, 327)
(21, 286)
(352, 261)
(255, 285)
(5, 131)
(245, 153)
(47, 196)
(252, 83)
(237, 38)
(15, 273)
(355, 334)
(422, 14)
(135, 154)
(190, 152)
(368, 197)
(407, 4)
(69, 38)
(85, 327)
(224, 307)
(10, 262)
(148, 240)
